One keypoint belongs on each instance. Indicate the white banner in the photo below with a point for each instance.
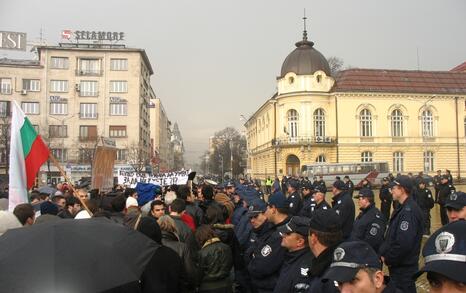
(162, 179)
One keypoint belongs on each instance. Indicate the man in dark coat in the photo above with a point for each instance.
(294, 198)
(385, 197)
(343, 205)
(445, 189)
(425, 201)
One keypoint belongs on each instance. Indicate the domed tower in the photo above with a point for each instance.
(305, 69)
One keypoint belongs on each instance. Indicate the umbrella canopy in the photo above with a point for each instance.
(47, 190)
(88, 255)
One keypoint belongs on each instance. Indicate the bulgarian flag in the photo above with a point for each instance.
(27, 153)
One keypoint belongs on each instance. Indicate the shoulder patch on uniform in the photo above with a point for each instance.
(266, 250)
(404, 225)
(324, 207)
(338, 212)
(339, 202)
(304, 271)
(291, 204)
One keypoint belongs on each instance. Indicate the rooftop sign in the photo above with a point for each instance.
(12, 41)
(92, 35)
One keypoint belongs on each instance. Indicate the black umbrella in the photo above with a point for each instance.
(88, 255)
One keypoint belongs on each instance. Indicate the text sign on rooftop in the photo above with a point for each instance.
(92, 35)
(12, 41)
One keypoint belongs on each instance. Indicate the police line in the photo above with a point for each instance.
(162, 179)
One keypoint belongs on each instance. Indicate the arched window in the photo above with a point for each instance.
(365, 118)
(397, 122)
(428, 161)
(320, 159)
(366, 156)
(427, 123)
(398, 162)
(319, 123)
(293, 123)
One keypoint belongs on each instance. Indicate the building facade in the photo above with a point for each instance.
(414, 120)
(75, 94)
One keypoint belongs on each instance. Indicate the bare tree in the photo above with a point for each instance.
(336, 65)
(137, 157)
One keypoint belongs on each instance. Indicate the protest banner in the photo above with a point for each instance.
(163, 179)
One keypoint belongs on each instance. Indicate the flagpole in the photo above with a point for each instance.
(67, 179)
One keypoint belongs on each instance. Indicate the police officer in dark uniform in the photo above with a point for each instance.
(385, 198)
(356, 267)
(400, 250)
(318, 203)
(267, 254)
(320, 182)
(308, 200)
(437, 181)
(294, 198)
(445, 189)
(343, 205)
(293, 274)
(349, 185)
(456, 206)
(370, 224)
(445, 259)
(425, 201)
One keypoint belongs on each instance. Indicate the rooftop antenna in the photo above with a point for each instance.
(418, 62)
(304, 31)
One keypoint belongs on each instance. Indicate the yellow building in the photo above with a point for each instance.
(410, 119)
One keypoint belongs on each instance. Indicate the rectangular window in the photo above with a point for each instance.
(89, 67)
(121, 155)
(428, 162)
(5, 86)
(88, 111)
(4, 108)
(398, 162)
(58, 108)
(60, 86)
(59, 62)
(88, 88)
(118, 109)
(60, 154)
(117, 131)
(30, 107)
(58, 131)
(31, 85)
(118, 86)
(88, 132)
(118, 64)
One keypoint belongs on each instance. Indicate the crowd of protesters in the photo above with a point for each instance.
(233, 238)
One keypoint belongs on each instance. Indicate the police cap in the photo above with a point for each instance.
(296, 224)
(456, 200)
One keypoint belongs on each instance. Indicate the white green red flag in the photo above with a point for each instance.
(27, 153)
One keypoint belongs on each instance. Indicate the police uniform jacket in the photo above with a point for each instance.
(344, 206)
(295, 203)
(308, 202)
(293, 274)
(424, 199)
(318, 267)
(444, 191)
(384, 194)
(349, 187)
(390, 286)
(369, 226)
(403, 238)
(267, 258)
(320, 183)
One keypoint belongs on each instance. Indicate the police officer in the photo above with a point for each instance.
(349, 185)
(294, 198)
(320, 182)
(293, 274)
(266, 252)
(437, 181)
(400, 250)
(425, 201)
(308, 200)
(456, 206)
(324, 236)
(445, 259)
(370, 224)
(385, 198)
(356, 268)
(343, 205)
(445, 189)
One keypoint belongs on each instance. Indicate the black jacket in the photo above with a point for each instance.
(171, 240)
(369, 226)
(344, 206)
(349, 187)
(311, 206)
(196, 212)
(215, 264)
(267, 257)
(403, 238)
(293, 274)
(424, 199)
(390, 286)
(227, 235)
(295, 203)
(385, 195)
(319, 265)
(185, 234)
(444, 191)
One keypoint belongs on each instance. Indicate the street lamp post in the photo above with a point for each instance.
(221, 157)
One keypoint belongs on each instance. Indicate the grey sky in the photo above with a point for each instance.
(216, 60)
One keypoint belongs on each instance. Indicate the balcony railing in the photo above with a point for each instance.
(306, 140)
(88, 72)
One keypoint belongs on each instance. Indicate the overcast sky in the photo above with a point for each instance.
(216, 60)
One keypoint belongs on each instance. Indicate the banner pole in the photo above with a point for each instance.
(67, 179)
